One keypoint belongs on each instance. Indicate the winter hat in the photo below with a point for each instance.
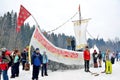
(37, 49)
(3, 49)
(94, 50)
(86, 47)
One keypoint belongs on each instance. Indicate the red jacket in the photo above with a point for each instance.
(3, 65)
(86, 55)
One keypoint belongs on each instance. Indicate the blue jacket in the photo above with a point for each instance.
(37, 59)
(45, 59)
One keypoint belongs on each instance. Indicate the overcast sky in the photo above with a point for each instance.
(50, 14)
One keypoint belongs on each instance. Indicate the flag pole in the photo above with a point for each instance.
(36, 22)
(29, 52)
(79, 14)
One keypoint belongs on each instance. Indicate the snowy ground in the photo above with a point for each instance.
(74, 74)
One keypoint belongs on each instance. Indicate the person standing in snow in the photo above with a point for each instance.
(103, 56)
(68, 43)
(117, 56)
(37, 63)
(45, 63)
(24, 56)
(107, 58)
(100, 59)
(113, 58)
(95, 56)
(86, 55)
(4, 63)
(73, 44)
(15, 65)
(0, 63)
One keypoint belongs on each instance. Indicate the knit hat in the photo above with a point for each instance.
(37, 49)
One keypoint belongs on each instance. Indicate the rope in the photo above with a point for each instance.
(63, 23)
(66, 22)
(90, 35)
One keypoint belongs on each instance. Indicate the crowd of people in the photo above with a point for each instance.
(98, 58)
(14, 58)
(40, 61)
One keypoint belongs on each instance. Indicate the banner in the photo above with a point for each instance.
(23, 15)
(80, 33)
(54, 53)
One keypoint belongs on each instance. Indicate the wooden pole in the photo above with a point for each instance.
(79, 14)
(29, 51)
(36, 22)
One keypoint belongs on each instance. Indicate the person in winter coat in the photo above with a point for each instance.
(107, 58)
(103, 56)
(73, 44)
(4, 61)
(113, 58)
(37, 63)
(15, 65)
(24, 56)
(45, 63)
(8, 54)
(0, 62)
(68, 43)
(100, 59)
(117, 56)
(95, 56)
(86, 55)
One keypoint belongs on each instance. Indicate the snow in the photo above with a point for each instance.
(73, 74)
(94, 48)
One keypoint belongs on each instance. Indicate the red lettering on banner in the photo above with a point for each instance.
(51, 48)
(66, 54)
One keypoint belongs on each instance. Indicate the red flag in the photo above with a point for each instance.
(23, 15)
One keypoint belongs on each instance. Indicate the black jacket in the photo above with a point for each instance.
(99, 56)
(24, 56)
